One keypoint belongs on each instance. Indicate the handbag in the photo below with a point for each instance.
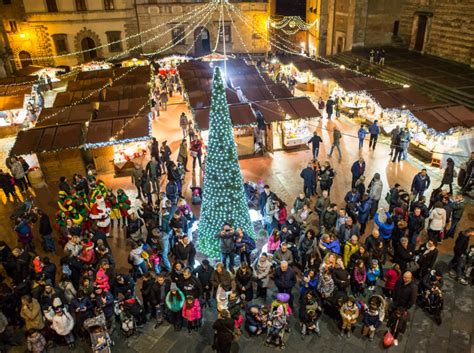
(194, 154)
(388, 339)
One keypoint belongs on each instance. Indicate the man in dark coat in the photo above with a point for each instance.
(285, 280)
(421, 182)
(203, 273)
(262, 199)
(460, 248)
(405, 292)
(309, 179)
(315, 141)
(189, 284)
(374, 131)
(416, 223)
(357, 170)
(223, 332)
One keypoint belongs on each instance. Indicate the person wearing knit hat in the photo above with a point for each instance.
(349, 314)
(174, 302)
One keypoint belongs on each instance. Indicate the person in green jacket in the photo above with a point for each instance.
(458, 211)
(174, 303)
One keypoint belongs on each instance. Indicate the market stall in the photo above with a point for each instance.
(95, 74)
(57, 150)
(89, 84)
(117, 144)
(243, 120)
(290, 122)
(442, 132)
(81, 113)
(91, 97)
(13, 114)
(395, 106)
(355, 100)
(132, 76)
(126, 92)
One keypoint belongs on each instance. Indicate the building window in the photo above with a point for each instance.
(178, 35)
(7, 2)
(109, 4)
(60, 42)
(81, 5)
(228, 36)
(13, 26)
(114, 36)
(52, 5)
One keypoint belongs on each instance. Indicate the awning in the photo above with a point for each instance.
(123, 108)
(64, 115)
(335, 74)
(287, 109)
(91, 84)
(15, 90)
(11, 102)
(94, 74)
(402, 98)
(250, 80)
(269, 92)
(126, 92)
(64, 99)
(47, 139)
(17, 80)
(364, 84)
(240, 114)
(444, 118)
(116, 131)
(202, 99)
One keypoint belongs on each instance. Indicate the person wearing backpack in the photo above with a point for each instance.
(244, 245)
(172, 192)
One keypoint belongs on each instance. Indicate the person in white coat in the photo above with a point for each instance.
(437, 222)
(63, 324)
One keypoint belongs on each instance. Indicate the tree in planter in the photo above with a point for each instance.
(224, 199)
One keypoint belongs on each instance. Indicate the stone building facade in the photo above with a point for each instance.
(443, 28)
(47, 30)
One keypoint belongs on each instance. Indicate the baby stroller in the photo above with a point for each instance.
(251, 193)
(431, 301)
(99, 335)
(278, 318)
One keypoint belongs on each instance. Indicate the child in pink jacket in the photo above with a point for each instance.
(192, 313)
(273, 243)
(358, 279)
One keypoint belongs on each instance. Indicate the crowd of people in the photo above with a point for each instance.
(321, 259)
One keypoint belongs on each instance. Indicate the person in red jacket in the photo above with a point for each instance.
(196, 151)
(391, 277)
(87, 255)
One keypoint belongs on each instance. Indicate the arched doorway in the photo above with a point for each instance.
(25, 58)
(340, 45)
(86, 44)
(202, 39)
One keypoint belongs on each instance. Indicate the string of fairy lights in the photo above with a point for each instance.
(284, 45)
(171, 43)
(175, 22)
(295, 24)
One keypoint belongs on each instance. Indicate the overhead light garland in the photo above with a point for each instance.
(181, 17)
(168, 46)
(294, 24)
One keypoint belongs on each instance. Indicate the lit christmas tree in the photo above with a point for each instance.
(224, 198)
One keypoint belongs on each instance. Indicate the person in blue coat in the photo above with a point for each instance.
(374, 131)
(361, 134)
(309, 179)
(357, 170)
(421, 182)
(363, 210)
(385, 228)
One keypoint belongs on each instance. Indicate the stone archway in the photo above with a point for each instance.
(88, 39)
(25, 58)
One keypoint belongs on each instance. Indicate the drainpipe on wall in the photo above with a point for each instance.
(333, 39)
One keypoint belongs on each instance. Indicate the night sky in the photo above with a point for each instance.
(291, 8)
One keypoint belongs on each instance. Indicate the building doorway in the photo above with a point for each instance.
(420, 32)
(202, 39)
(396, 28)
(25, 58)
(88, 43)
(339, 45)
